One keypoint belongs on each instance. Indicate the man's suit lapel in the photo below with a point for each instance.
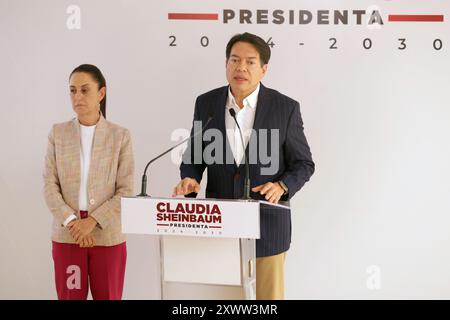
(262, 110)
(220, 110)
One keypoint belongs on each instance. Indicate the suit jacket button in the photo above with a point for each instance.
(236, 176)
(92, 201)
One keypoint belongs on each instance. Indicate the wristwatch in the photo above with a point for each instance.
(284, 187)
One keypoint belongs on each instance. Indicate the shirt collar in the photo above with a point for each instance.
(250, 101)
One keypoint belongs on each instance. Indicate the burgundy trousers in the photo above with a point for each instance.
(100, 268)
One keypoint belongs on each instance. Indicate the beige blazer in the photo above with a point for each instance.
(111, 176)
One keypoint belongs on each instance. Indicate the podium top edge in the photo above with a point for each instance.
(282, 204)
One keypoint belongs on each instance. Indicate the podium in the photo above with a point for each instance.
(202, 241)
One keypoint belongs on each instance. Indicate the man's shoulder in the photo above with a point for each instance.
(213, 94)
(279, 102)
(279, 97)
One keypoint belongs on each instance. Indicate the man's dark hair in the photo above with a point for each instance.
(260, 45)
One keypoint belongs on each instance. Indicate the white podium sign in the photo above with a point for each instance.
(191, 217)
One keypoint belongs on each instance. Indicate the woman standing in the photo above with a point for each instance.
(89, 166)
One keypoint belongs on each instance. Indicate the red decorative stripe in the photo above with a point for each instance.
(216, 227)
(193, 16)
(416, 18)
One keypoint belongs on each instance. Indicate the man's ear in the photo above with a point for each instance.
(265, 67)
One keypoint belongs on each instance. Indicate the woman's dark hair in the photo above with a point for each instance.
(98, 77)
(260, 45)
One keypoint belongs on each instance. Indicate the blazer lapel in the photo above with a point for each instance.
(98, 147)
(220, 109)
(262, 110)
(219, 112)
(75, 156)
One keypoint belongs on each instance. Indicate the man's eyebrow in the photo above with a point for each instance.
(233, 55)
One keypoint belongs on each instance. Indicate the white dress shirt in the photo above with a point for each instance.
(87, 138)
(245, 117)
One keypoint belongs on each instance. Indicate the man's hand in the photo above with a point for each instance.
(272, 191)
(79, 229)
(186, 186)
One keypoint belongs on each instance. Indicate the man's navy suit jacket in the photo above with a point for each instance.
(226, 180)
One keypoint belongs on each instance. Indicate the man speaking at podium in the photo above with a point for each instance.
(248, 103)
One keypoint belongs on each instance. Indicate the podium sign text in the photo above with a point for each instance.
(191, 217)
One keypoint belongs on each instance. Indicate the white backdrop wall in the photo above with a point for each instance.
(373, 222)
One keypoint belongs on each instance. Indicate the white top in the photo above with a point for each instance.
(245, 117)
(87, 138)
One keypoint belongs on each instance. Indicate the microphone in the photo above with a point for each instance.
(144, 176)
(247, 170)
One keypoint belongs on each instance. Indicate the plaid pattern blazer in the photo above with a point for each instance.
(111, 176)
